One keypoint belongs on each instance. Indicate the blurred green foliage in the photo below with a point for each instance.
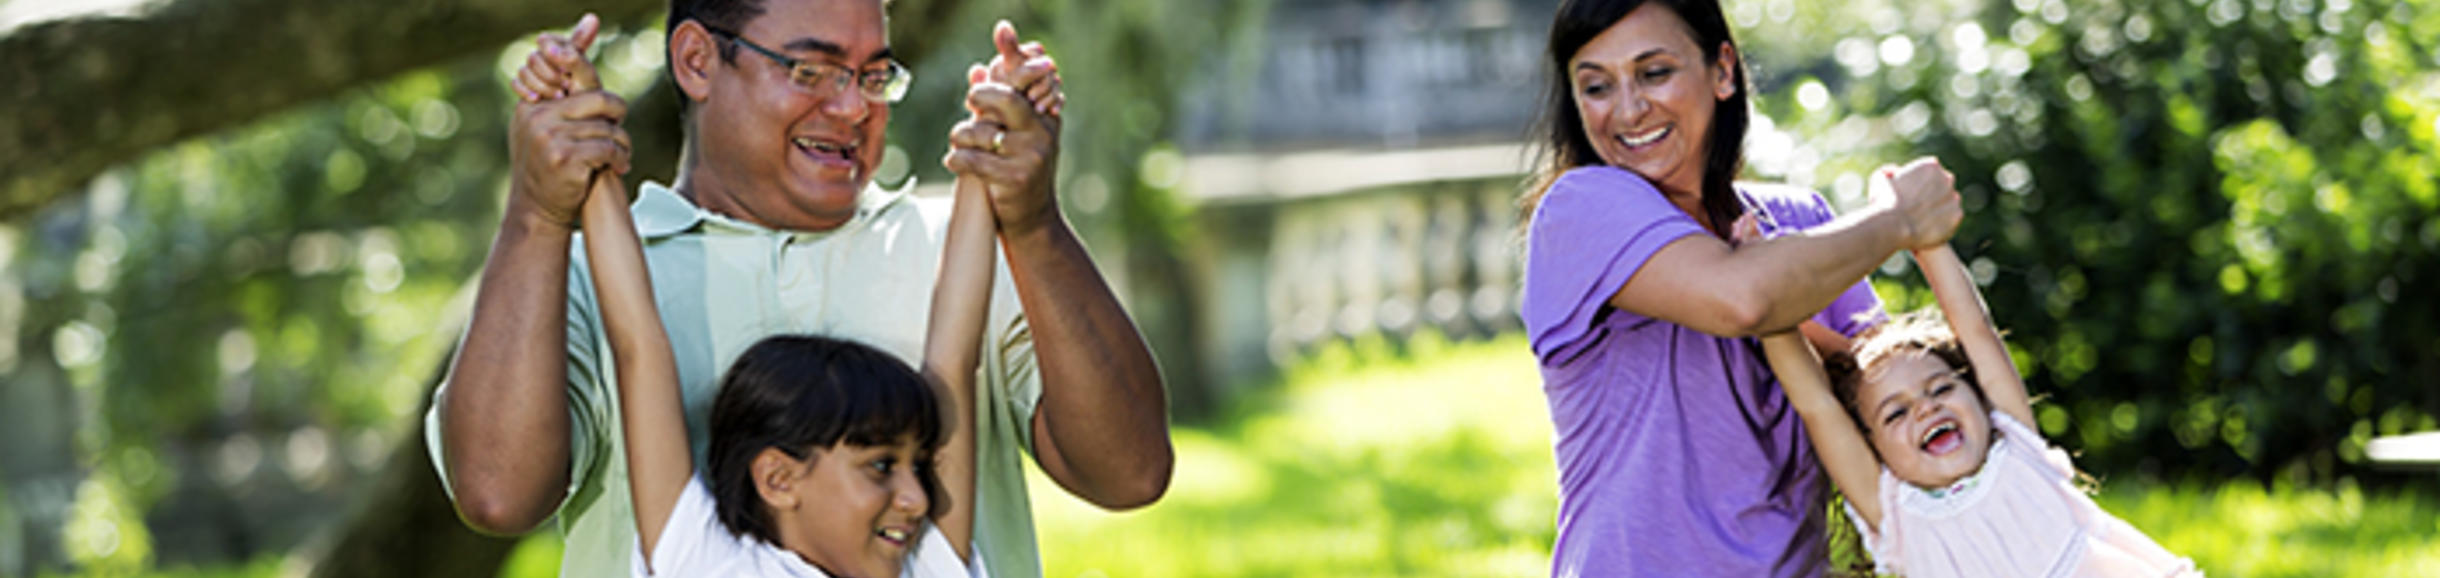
(253, 315)
(2209, 225)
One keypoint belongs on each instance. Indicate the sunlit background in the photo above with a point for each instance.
(237, 242)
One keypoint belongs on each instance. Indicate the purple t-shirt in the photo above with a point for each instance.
(1678, 454)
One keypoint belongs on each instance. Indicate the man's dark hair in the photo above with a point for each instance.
(801, 392)
(728, 15)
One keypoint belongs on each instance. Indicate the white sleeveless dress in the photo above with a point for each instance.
(2020, 515)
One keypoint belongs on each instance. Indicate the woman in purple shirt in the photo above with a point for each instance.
(1678, 455)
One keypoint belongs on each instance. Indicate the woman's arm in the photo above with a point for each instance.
(953, 347)
(1963, 305)
(1844, 451)
(650, 413)
(1703, 283)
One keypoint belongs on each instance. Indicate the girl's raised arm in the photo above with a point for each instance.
(1844, 451)
(654, 423)
(1963, 305)
(953, 347)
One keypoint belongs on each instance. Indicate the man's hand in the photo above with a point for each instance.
(565, 128)
(1012, 140)
(1924, 196)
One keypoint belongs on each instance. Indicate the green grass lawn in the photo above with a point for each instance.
(1437, 463)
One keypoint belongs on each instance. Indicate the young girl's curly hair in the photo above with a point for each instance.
(1922, 330)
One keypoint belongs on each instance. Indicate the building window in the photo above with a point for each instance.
(1344, 62)
(1483, 54)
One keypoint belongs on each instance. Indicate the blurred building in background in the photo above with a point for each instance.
(1359, 175)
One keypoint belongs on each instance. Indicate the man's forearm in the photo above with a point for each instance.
(1102, 427)
(504, 412)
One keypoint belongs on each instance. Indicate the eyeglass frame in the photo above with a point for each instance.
(891, 90)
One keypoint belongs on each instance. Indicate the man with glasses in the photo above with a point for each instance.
(773, 226)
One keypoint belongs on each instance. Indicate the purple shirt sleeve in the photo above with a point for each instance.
(1789, 209)
(1595, 227)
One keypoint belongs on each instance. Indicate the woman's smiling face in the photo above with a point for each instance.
(1647, 94)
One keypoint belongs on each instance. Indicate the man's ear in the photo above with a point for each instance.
(1724, 73)
(775, 477)
(693, 51)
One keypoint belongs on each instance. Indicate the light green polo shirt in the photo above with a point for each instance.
(723, 284)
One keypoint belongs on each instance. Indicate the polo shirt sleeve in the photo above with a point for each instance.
(591, 387)
(588, 390)
(1594, 229)
(1008, 362)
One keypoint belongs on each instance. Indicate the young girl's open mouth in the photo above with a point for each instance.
(1944, 437)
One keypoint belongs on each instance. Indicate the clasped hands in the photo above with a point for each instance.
(1010, 140)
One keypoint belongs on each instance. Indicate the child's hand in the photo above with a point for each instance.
(1924, 195)
(564, 130)
(1026, 67)
(1011, 142)
(1747, 230)
(557, 67)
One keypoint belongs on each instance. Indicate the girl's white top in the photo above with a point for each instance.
(2020, 515)
(695, 543)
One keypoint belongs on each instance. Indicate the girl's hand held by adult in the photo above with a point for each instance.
(1924, 197)
(565, 128)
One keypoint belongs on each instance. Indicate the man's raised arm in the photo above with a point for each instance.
(503, 414)
(1102, 427)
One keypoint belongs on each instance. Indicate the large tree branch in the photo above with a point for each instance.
(85, 94)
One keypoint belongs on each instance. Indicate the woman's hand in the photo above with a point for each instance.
(1924, 196)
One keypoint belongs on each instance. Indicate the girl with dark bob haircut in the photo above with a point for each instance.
(797, 393)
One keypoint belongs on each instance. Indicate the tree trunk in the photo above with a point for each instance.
(404, 525)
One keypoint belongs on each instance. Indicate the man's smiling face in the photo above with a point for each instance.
(793, 156)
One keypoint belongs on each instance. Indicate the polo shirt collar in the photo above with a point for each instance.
(660, 212)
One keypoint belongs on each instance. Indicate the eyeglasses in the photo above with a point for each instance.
(886, 85)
